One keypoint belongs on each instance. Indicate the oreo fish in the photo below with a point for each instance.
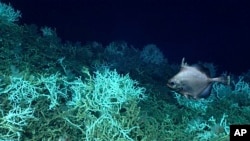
(193, 81)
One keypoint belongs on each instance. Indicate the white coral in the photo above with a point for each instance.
(8, 13)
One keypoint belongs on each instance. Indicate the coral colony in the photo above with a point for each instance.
(50, 90)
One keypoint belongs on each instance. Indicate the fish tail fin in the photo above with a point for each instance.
(225, 79)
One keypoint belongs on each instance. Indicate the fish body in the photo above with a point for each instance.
(192, 81)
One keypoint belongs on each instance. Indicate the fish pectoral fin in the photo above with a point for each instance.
(186, 95)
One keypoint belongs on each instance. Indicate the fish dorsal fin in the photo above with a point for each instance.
(203, 69)
(183, 63)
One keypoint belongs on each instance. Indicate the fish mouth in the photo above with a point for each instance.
(170, 86)
(175, 88)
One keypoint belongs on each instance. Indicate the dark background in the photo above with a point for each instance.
(215, 31)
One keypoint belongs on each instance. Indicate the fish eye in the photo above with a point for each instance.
(172, 83)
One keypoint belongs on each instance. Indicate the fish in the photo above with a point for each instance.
(194, 81)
